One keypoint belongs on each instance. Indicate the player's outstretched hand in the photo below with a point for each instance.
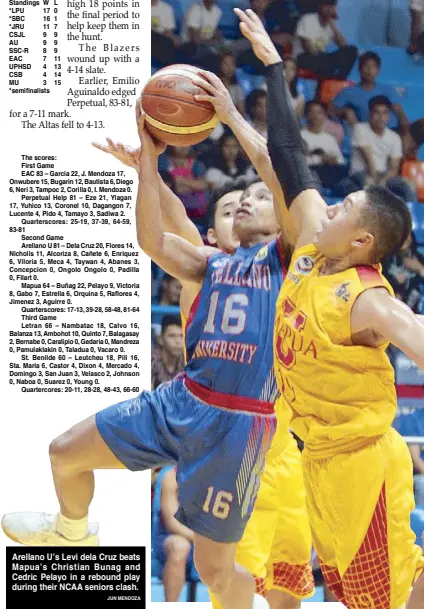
(149, 145)
(252, 28)
(128, 156)
(217, 94)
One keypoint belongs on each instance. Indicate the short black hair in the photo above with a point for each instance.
(324, 2)
(367, 56)
(170, 320)
(314, 102)
(388, 218)
(379, 100)
(217, 194)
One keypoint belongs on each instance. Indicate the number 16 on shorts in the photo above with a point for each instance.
(220, 502)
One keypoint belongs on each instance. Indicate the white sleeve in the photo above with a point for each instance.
(214, 177)
(334, 148)
(302, 28)
(194, 17)
(359, 137)
(396, 148)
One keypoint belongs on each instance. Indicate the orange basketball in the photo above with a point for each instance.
(173, 116)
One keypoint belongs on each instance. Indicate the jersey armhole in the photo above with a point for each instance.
(282, 256)
(370, 278)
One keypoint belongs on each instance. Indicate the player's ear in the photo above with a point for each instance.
(333, 210)
(365, 240)
(212, 236)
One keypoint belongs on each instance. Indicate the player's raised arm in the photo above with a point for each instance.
(253, 144)
(386, 316)
(285, 145)
(174, 216)
(175, 255)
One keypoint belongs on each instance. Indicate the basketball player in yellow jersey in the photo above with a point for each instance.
(336, 315)
(276, 546)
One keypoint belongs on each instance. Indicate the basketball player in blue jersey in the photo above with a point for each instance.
(276, 544)
(216, 421)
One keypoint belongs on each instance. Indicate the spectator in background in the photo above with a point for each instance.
(227, 74)
(279, 19)
(352, 104)
(314, 33)
(405, 272)
(297, 98)
(256, 109)
(230, 164)
(376, 154)
(164, 40)
(413, 425)
(416, 44)
(324, 154)
(189, 176)
(168, 359)
(201, 37)
(168, 180)
(170, 292)
(174, 544)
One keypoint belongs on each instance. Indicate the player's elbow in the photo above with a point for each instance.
(150, 245)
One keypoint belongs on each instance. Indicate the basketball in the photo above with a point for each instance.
(173, 116)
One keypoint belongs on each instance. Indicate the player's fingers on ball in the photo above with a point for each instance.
(213, 78)
(204, 98)
(207, 86)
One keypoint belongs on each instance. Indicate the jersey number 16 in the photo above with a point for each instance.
(234, 315)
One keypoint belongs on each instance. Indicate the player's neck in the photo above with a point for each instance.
(251, 241)
(332, 266)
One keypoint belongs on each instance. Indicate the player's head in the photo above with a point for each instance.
(368, 226)
(171, 336)
(220, 215)
(369, 67)
(380, 108)
(327, 9)
(209, 4)
(254, 218)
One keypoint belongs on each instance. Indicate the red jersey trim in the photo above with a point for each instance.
(192, 312)
(282, 257)
(370, 277)
(227, 400)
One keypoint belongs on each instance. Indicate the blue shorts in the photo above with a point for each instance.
(219, 453)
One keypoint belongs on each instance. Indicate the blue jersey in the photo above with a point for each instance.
(229, 333)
